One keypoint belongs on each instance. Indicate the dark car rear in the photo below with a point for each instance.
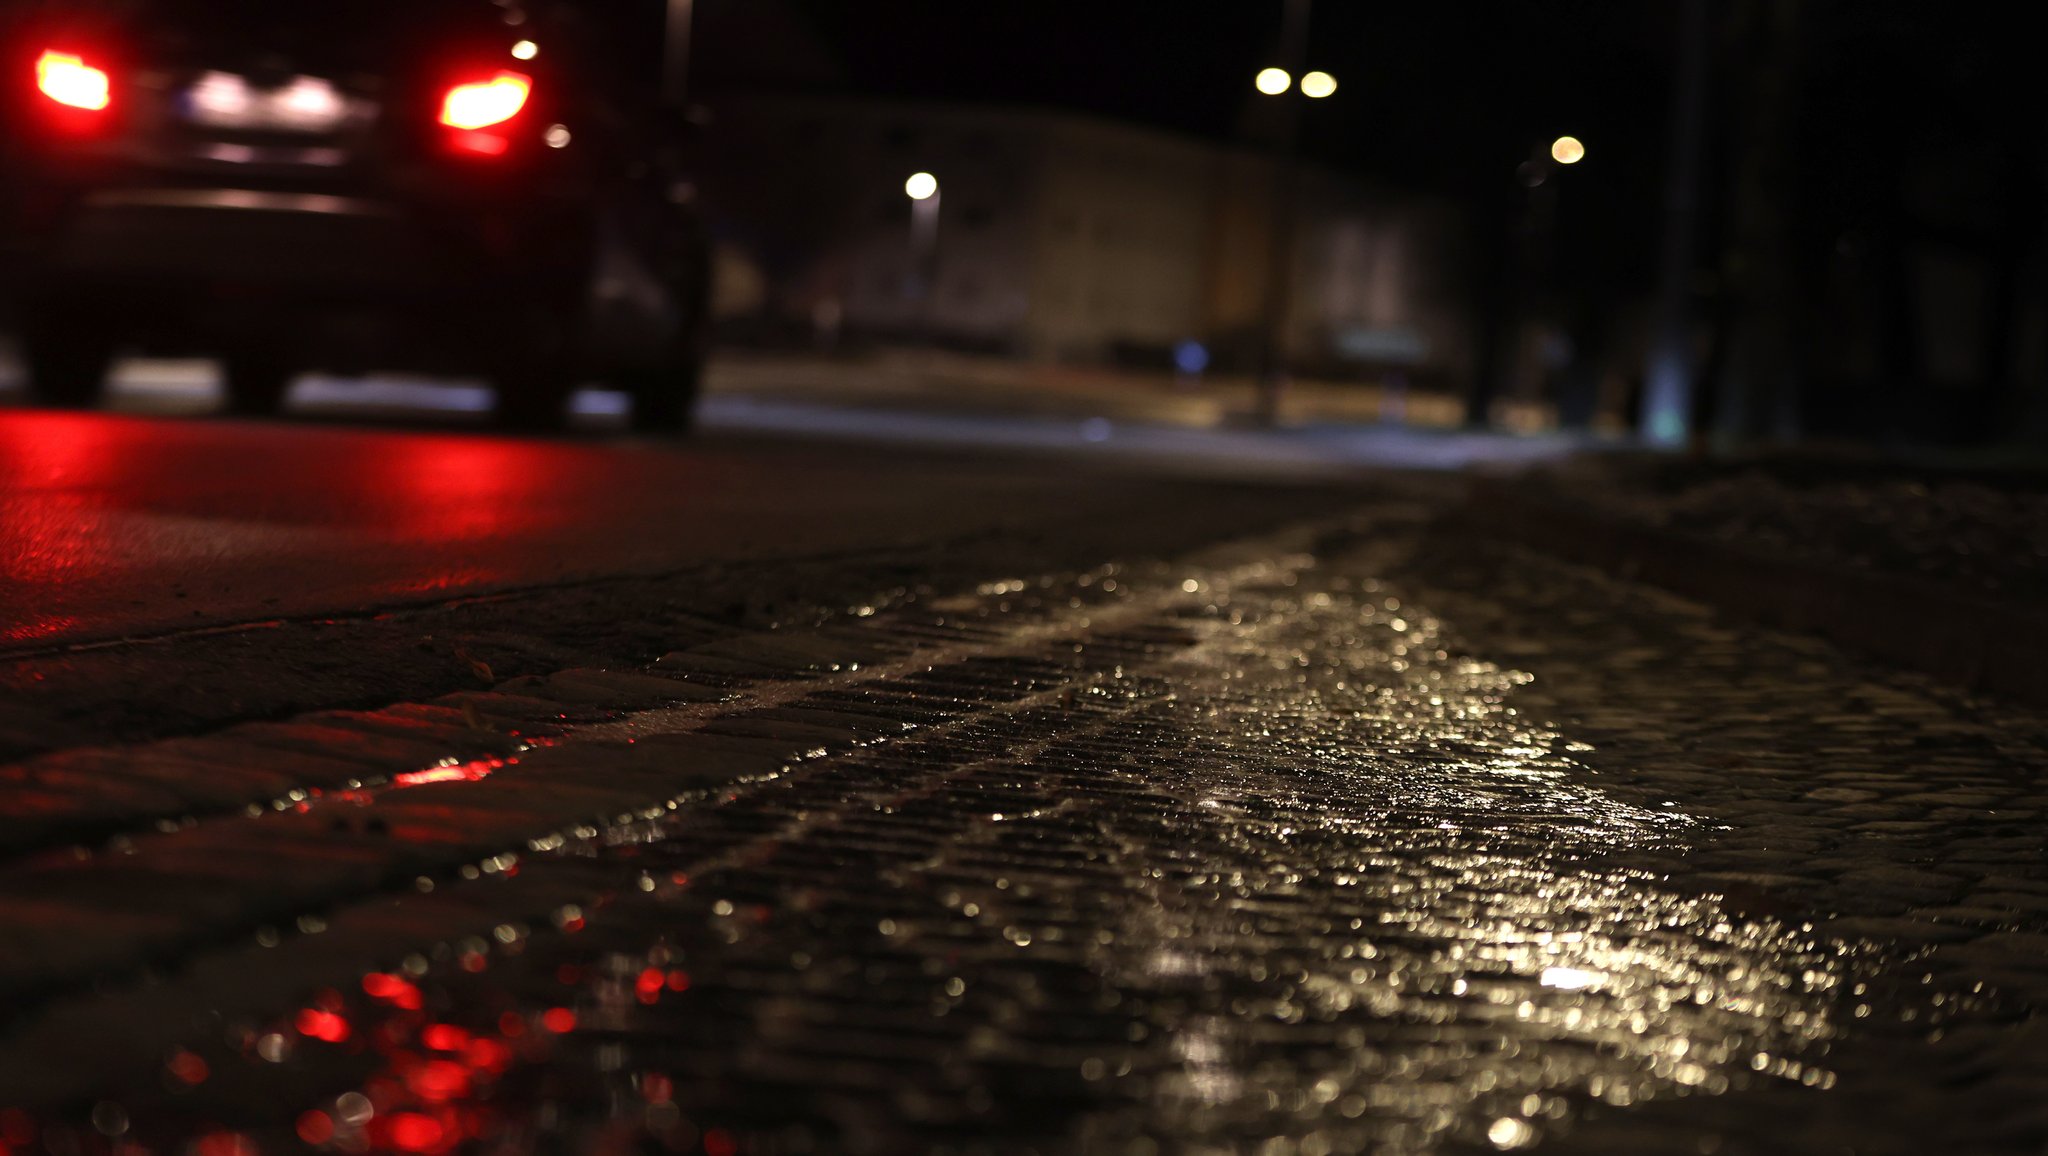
(426, 184)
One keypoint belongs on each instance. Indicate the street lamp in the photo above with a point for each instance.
(1272, 379)
(923, 191)
(1525, 266)
(675, 58)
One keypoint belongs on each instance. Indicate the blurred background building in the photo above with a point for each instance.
(1862, 252)
(1061, 236)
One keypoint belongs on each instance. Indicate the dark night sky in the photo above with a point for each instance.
(1441, 96)
(1445, 96)
(1429, 93)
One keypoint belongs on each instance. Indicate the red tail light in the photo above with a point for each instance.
(483, 103)
(66, 78)
(481, 143)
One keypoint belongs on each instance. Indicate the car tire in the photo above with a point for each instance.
(534, 377)
(533, 399)
(256, 383)
(665, 400)
(66, 362)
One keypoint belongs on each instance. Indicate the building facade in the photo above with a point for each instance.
(1064, 237)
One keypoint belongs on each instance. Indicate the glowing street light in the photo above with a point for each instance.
(1566, 150)
(922, 273)
(525, 50)
(1283, 127)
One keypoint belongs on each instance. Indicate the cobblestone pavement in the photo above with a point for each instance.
(1985, 533)
(1368, 838)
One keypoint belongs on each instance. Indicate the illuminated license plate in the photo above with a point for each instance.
(305, 104)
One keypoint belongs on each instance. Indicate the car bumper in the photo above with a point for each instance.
(200, 237)
(294, 244)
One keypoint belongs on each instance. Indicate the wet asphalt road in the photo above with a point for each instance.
(113, 526)
(1357, 835)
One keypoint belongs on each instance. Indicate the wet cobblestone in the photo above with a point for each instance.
(1885, 809)
(1411, 844)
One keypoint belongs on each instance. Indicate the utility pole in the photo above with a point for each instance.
(1755, 396)
(1286, 167)
(1516, 271)
(1669, 383)
(675, 57)
(922, 283)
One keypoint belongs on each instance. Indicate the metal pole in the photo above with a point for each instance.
(924, 261)
(1272, 381)
(675, 61)
(1669, 378)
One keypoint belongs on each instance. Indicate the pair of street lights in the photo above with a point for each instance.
(1314, 85)
(1276, 82)
(1565, 150)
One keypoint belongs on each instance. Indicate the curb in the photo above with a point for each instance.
(1966, 640)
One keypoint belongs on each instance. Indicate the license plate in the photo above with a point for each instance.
(307, 104)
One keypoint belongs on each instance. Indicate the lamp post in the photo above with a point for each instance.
(1278, 82)
(675, 57)
(923, 190)
(1670, 377)
(1524, 261)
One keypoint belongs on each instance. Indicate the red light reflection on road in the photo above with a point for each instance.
(450, 490)
(56, 520)
(17, 1128)
(316, 1128)
(40, 628)
(458, 1079)
(172, 518)
(417, 1132)
(457, 489)
(187, 1068)
(455, 1067)
(226, 1144)
(115, 527)
(323, 1025)
(476, 770)
(395, 990)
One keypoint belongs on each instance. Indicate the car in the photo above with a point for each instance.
(436, 186)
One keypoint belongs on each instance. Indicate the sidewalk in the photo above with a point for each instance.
(1939, 567)
(1939, 570)
(956, 402)
(931, 379)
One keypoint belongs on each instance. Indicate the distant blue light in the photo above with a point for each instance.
(1191, 357)
(1667, 408)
